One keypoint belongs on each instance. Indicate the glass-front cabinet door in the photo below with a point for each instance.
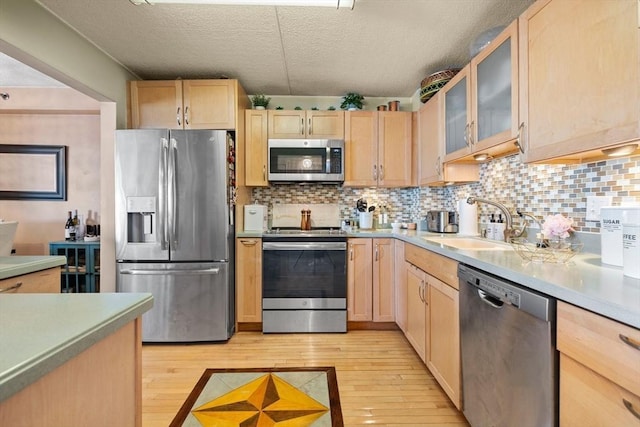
(456, 115)
(494, 74)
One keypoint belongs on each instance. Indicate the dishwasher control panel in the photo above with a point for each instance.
(501, 292)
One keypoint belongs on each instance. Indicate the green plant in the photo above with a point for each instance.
(298, 108)
(331, 108)
(279, 107)
(314, 108)
(352, 99)
(260, 100)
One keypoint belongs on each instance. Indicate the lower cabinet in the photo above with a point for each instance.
(417, 307)
(400, 272)
(82, 271)
(43, 281)
(249, 280)
(433, 324)
(370, 280)
(599, 369)
(443, 338)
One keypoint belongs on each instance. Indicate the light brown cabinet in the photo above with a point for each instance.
(400, 272)
(289, 124)
(370, 280)
(599, 369)
(249, 280)
(378, 149)
(432, 292)
(443, 338)
(43, 281)
(480, 103)
(432, 171)
(255, 141)
(580, 77)
(417, 307)
(184, 104)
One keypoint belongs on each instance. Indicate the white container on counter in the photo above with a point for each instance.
(611, 220)
(255, 218)
(631, 250)
(366, 220)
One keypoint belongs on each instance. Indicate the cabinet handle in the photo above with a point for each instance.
(351, 253)
(466, 135)
(301, 126)
(630, 408)
(381, 172)
(375, 172)
(471, 139)
(178, 117)
(438, 166)
(264, 172)
(376, 257)
(186, 116)
(10, 288)
(628, 341)
(310, 129)
(519, 140)
(249, 242)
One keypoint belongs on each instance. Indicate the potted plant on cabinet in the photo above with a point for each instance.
(260, 101)
(352, 101)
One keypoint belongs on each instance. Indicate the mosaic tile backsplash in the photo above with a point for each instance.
(540, 189)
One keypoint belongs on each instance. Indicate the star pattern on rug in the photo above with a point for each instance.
(264, 402)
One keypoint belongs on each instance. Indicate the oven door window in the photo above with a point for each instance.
(304, 273)
(298, 160)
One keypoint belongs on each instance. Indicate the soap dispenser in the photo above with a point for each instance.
(491, 228)
(500, 226)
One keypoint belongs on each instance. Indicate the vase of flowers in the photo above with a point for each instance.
(556, 230)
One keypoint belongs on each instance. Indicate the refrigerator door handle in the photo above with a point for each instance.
(162, 195)
(173, 177)
(142, 272)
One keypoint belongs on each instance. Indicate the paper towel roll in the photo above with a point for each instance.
(467, 218)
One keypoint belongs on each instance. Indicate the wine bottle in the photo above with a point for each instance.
(68, 227)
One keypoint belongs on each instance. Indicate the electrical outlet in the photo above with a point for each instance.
(594, 203)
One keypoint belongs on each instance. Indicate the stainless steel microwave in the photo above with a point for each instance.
(305, 160)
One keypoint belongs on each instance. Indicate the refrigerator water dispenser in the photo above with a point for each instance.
(141, 219)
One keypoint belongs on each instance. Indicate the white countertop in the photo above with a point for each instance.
(39, 332)
(584, 282)
(17, 265)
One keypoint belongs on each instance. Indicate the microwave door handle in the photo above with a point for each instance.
(173, 237)
(327, 163)
(162, 195)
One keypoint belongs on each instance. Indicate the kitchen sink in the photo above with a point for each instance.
(471, 243)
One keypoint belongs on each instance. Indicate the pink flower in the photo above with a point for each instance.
(557, 226)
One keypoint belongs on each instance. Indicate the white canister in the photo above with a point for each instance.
(366, 220)
(255, 218)
(631, 250)
(611, 220)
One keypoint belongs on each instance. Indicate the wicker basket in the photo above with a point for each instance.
(430, 85)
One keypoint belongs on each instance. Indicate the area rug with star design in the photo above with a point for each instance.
(274, 397)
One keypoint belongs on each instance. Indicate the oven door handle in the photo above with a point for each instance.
(304, 246)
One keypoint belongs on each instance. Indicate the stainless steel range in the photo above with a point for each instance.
(304, 281)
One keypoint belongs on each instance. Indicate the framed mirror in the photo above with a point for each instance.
(33, 172)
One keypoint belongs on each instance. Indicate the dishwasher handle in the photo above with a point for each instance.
(489, 299)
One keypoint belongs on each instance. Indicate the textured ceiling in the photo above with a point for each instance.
(381, 48)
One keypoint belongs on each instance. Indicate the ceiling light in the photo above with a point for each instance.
(328, 3)
(482, 157)
(623, 150)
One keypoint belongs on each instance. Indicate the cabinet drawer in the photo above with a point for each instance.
(588, 399)
(436, 265)
(601, 344)
(44, 281)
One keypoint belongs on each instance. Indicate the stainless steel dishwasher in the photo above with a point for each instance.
(509, 359)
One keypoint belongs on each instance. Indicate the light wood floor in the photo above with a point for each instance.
(381, 379)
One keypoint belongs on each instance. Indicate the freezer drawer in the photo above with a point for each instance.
(192, 301)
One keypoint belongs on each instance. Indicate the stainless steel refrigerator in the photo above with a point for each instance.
(174, 231)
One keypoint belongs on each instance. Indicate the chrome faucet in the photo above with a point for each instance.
(508, 231)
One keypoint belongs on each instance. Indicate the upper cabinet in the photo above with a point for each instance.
(580, 74)
(432, 170)
(256, 148)
(184, 104)
(289, 124)
(480, 103)
(378, 148)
